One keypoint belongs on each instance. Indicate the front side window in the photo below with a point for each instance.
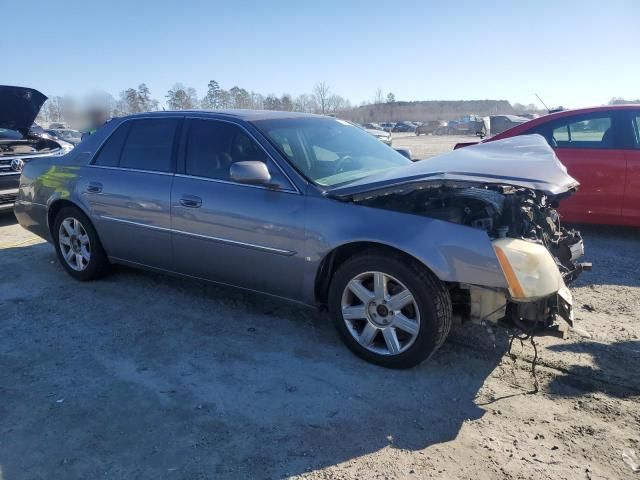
(213, 146)
(593, 131)
(330, 152)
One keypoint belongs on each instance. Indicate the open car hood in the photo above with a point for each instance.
(19, 107)
(523, 161)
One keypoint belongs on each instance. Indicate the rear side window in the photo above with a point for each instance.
(149, 144)
(109, 155)
(593, 131)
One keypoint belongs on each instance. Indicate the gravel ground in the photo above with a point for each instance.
(146, 376)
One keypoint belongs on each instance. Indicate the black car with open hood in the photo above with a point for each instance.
(19, 143)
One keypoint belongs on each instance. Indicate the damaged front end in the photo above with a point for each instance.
(538, 256)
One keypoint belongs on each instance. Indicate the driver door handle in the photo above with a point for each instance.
(190, 201)
(94, 187)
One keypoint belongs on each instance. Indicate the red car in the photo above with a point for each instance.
(600, 147)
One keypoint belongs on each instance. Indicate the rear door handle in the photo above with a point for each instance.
(190, 201)
(94, 187)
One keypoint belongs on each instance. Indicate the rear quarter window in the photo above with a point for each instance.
(149, 144)
(109, 154)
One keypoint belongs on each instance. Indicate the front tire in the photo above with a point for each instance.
(78, 246)
(389, 310)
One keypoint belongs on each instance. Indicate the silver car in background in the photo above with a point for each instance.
(315, 210)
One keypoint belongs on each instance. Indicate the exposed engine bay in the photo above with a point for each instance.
(500, 210)
(33, 144)
(503, 211)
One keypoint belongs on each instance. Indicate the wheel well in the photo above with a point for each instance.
(334, 259)
(54, 208)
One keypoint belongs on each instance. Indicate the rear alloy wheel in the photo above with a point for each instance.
(77, 245)
(74, 244)
(389, 310)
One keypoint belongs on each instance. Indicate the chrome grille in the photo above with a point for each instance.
(8, 198)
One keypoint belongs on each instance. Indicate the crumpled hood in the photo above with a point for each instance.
(19, 107)
(523, 161)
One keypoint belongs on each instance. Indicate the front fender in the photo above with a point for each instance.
(454, 253)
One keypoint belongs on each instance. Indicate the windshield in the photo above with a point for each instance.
(330, 152)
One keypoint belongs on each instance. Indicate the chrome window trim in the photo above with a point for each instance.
(155, 172)
(226, 241)
(253, 137)
(228, 182)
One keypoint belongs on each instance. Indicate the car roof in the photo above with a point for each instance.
(247, 115)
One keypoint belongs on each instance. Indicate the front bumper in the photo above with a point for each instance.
(494, 306)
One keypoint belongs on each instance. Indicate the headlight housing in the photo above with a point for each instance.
(529, 269)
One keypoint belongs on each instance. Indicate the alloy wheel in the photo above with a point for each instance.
(75, 244)
(381, 313)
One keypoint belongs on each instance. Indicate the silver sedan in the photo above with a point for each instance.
(314, 210)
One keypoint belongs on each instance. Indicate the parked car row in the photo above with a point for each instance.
(66, 134)
(465, 125)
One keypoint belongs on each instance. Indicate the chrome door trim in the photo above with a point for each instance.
(225, 241)
(137, 224)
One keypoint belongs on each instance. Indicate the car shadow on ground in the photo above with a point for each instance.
(142, 375)
(605, 375)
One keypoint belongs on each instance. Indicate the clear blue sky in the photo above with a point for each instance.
(573, 53)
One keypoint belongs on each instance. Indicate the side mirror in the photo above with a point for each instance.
(480, 134)
(252, 172)
(405, 152)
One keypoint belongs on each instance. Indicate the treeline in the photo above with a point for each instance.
(434, 110)
(179, 97)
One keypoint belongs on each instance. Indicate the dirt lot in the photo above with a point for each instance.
(145, 376)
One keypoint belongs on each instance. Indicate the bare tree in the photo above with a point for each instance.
(321, 92)
(286, 103)
(379, 97)
(256, 100)
(305, 103)
(271, 102)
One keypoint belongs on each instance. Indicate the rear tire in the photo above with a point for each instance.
(78, 246)
(385, 334)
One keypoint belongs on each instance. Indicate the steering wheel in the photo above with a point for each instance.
(340, 163)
